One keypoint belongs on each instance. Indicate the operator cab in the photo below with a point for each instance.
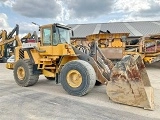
(55, 34)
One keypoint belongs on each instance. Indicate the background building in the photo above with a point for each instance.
(136, 29)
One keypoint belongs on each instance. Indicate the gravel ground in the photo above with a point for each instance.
(47, 100)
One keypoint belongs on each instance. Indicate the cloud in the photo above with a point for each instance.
(137, 10)
(79, 11)
(25, 28)
(3, 0)
(152, 12)
(9, 3)
(4, 22)
(37, 9)
(63, 10)
(131, 5)
(89, 8)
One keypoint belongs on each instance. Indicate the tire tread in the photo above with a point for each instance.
(32, 79)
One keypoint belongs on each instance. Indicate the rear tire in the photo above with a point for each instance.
(77, 77)
(23, 73)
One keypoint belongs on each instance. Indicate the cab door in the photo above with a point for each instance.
(46, 42)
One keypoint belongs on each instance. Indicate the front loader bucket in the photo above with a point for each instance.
(129, 83)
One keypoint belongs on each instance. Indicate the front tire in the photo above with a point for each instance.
(77, 77)
(23, 73)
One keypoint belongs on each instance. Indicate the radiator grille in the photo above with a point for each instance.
(21, 54)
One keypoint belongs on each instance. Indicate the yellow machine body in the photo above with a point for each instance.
(77, 67)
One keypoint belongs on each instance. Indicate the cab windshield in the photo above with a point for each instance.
(61, 35)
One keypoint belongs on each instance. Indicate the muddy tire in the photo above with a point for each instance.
(77, 77)
(23, 73)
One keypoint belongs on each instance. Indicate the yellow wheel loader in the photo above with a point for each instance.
(54, 57)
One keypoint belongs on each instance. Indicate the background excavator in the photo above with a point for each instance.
(56, 58)
(8, 43)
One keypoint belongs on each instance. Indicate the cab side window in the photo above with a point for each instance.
(47, 36)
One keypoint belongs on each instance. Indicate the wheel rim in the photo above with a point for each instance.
(21, 73)
(74, 78)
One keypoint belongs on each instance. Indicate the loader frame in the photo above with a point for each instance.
(78, 67)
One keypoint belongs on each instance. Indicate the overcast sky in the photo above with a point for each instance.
(23, 12)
